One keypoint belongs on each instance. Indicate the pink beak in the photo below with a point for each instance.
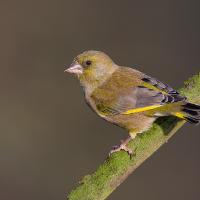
(74, 69)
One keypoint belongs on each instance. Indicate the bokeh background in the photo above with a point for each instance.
(49, 138)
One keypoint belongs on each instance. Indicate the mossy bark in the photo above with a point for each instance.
(115, 169)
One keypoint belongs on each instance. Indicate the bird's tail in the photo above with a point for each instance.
(190, 112)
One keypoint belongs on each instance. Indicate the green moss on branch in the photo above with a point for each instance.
(109, 175)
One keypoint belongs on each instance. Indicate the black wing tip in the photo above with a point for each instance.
(174, 95)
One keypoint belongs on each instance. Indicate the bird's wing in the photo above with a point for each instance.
(148, 95)
(155, 84)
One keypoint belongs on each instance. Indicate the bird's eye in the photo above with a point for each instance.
(88, 62)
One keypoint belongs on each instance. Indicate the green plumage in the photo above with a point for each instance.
(127, 97)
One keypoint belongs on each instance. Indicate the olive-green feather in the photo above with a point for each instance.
(128, 97)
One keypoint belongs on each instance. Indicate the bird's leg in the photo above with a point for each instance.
(123, 147)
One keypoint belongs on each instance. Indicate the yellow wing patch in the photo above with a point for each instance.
(137, 110)
(179, 115)
(147, 85)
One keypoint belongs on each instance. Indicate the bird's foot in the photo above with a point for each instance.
(123, 147)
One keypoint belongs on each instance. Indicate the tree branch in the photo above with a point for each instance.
(109, 175)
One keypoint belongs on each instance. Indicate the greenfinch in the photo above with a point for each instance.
(127, 97)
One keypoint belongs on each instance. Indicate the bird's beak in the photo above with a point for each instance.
(74, 69)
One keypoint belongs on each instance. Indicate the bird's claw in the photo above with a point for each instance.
(121, 147)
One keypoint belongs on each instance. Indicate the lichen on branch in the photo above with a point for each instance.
(115, 169)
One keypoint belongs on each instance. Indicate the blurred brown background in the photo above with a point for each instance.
(49, 138)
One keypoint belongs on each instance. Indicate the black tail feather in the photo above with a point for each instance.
(192, 120)
(192, 113)
(192, 106)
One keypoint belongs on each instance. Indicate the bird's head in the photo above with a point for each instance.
(92, 68)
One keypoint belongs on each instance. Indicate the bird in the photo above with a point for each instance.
(127, 97)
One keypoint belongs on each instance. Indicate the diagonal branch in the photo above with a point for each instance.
(109, 175)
